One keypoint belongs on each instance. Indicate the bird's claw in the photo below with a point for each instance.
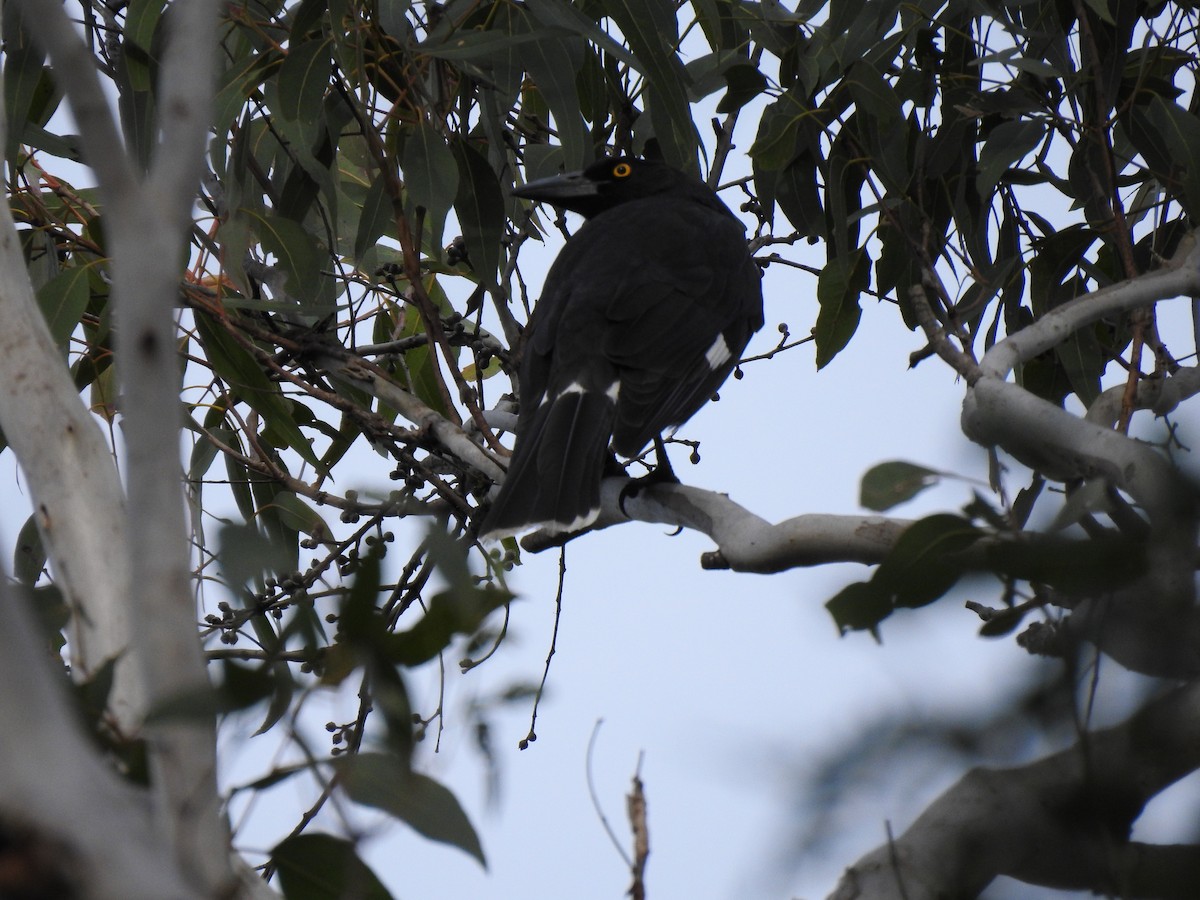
(660, 474)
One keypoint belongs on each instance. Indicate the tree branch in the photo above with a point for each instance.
(78, 502)
(54, 781)
(1063, 447)
(745, 542)
(368, 377)
(1180, 277)
(1062, 821)
(147, 226)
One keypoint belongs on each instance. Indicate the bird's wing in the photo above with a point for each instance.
(680, 316)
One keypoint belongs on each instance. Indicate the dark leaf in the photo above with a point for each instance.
(1072, 566)
(299, 254)
(315, 866)
(552, 64)
(651, 28)
(889, 484)
(375, 218)
(246, 553)
(25, 82)
(921, 567)
(303, 79)
(1006, 144)
(838, 287)
(480, 210)
(430, 178)
(775, 145)
(63, 300)
(745, 82)
(859, 607)
(478, 45)
(240, 370)
(569, 17)
(385, 782)
(1002, 622)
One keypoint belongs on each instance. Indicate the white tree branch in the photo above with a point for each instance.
(1048, 439)
(53, 781)
(1062, 446)
(147, 226)
(354, 371)
(745, 542)
(1062, 821)
(78, 502)
(1159, 395)
(1180, 277)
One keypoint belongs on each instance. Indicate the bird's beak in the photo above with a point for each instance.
(567, 187)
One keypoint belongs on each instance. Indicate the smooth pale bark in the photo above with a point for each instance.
(147, 219)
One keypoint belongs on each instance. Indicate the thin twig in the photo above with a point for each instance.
(591, 783)
(558, 595)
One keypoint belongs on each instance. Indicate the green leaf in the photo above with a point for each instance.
(297, 515)
(475, 46)
(1084, 361)
(246, 553)
(798, 198)
(240, 370)
(303, 80)
(775, 144)
(889, 484)
(651, 28)
(569, 17)
(1007, 143)
(460, 609)
(236, 85)
(53, 615)
(141, 21)
(419, 374)
(25, 79)
(860, 607)
(480, 210)
(241, 688)
(63, 301)
(450, 612)
(838, 287)
(298, 253)
(1102, 9)
(1178, 162)
(283, 689)
(375, 218)
(919, 568)
(552, 64)
(385, 782)
(744, 83)
(880, 126)
(314, 866)
(430, 177)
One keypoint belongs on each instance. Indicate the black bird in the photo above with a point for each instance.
(644, 314)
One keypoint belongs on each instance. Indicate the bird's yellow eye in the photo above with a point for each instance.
(622, 170)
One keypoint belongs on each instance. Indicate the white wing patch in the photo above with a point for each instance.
(718, 354)
(573, 388)
(612, 391)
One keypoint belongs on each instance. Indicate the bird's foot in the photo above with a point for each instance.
(662, 473)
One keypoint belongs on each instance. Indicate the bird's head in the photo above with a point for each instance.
(603, 185)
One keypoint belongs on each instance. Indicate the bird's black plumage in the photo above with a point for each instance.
(644, 314)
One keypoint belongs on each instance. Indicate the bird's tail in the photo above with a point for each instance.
(553, 481)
